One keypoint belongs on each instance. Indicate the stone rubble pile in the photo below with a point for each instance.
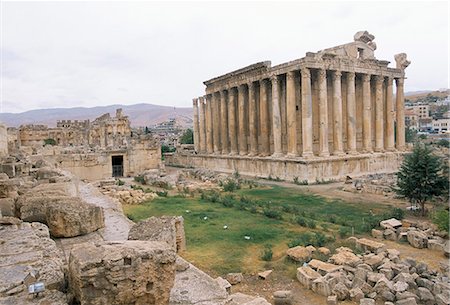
(417, 234)
(125, 195)
(377, 276)
(380, 184)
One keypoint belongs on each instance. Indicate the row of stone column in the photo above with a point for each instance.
(221, 123)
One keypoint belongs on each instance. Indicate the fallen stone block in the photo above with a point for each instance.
(323, 267)
(299, 254)
(306, 276)
(365, 244)
(234, 278)
(367, 301)
(73, 219)
(282, 297)
(417, 239)
(168, 229)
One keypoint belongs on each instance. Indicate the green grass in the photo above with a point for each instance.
(220, 251)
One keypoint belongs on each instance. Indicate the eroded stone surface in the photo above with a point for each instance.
(129, 272)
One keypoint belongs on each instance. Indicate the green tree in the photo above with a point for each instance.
(187, 137)
(50, 141)
(422, 176)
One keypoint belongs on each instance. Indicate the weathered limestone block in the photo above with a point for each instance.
(7, 206)
(234, 278)
(73, 219)
(370, 245)
(345, 258)
(321, 286)
(417, 239)
(391, 223)
(377, 234)
(26, 248)
(193, 286)
(367, 301)
(431, 244)
(166, 229)
(299, 254)
(323, 267)
(306, 276)
(282, 297)
(47, 173)
(129, 272)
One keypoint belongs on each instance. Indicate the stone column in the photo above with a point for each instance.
(379, 117)
(390, 138)
(291, 115)
(253, 129)
(202, 125)
(367, 114)
(232, 120)
(264, 118)
(215, 122)
(400, 145)
(323, 114)
(307, 124)
(243, 150)
(337, 114)
(196, 125)
(276, 118)
(209, 128)
(223, 123)
(351, 114)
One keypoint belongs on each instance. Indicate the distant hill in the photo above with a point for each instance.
(139, 115)
(415, 95)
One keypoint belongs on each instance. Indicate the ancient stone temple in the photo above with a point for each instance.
(324, 116)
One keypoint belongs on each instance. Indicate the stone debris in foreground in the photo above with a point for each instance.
(28, 255)
(128, 272)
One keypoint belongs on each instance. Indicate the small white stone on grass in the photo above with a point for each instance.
(225, 227)
(247, 237)
(205, 218)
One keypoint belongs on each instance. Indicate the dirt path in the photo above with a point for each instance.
(117, 225)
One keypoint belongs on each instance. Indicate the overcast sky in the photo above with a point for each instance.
(67, 54)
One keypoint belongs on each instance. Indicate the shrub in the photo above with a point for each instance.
(272, 214)
(227, 201)
(50, 141)
(332, 219)
(443, 143)
(300, 182)
(120, 182)
(441, 219)
(301, 221)
(311, 224)
(267, 253)
(397, 213)
(308, 238)
(162, 193)
(231, 185)
(344, 232)
(139, 179)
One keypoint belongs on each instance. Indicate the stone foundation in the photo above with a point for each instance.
(311, 170)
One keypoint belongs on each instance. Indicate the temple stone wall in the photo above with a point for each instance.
(338, 102)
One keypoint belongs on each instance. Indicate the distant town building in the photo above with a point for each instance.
(441, 125)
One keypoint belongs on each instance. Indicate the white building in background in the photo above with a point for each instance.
(441, 125)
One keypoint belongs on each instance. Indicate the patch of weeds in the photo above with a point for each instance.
(162, 193)
(267, 253)
(272, 214)
(120, 182)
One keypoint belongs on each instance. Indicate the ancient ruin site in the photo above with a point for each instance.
(315, 180)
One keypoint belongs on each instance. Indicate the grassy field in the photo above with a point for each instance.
(272, 218)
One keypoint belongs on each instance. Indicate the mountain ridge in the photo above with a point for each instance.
(140, 114)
